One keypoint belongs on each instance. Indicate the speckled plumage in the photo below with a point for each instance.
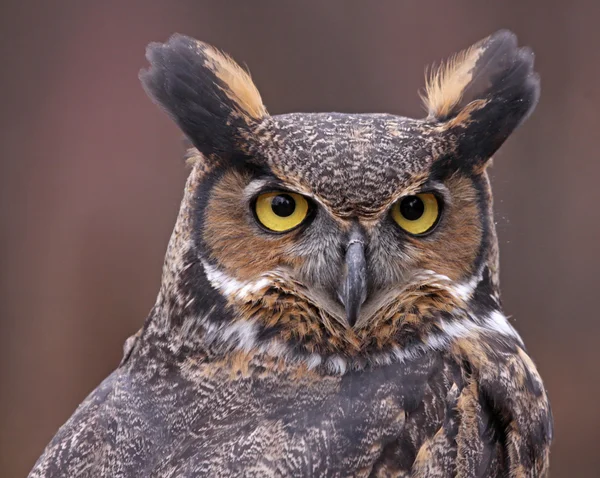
(247, 365)
(381, 154)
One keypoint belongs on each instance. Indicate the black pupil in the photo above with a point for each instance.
(412, 208)
(283, 205)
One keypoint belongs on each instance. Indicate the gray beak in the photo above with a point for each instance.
(354, 286)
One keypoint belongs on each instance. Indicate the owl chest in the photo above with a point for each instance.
(281, 424)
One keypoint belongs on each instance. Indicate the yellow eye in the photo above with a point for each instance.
(281, 211)
(416, 214)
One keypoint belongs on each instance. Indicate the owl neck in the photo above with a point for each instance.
(186, 299)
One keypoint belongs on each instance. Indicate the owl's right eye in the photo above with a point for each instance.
(280, 211)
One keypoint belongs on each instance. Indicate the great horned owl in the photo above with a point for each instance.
(330, 302)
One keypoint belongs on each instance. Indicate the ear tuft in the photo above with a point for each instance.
(446, 83)
(211, 98)
(239, 85)
(491, 67)
(485, 92)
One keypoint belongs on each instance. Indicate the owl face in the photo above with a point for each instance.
(347, 209)
(340, 233)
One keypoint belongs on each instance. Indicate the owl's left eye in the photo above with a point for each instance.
(417, 214)
(281, 211)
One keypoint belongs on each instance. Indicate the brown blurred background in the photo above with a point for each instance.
(91, 177)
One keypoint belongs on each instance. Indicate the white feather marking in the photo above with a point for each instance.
(465, 290)
(245, 333)
(453, 330)
(231, 287)
(241, 334)
(313, 361)
(498, 322)
(405, 354)
(458, 328)
(462, 291)
(337, 364)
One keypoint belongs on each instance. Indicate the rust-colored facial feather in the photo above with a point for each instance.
(452, 249)
(233, 237)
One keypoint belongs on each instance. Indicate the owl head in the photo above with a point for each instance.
(335, 236)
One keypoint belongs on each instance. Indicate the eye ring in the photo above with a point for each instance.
(280, 211)
(417, 214)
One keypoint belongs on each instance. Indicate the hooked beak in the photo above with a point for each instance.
(354, 286)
